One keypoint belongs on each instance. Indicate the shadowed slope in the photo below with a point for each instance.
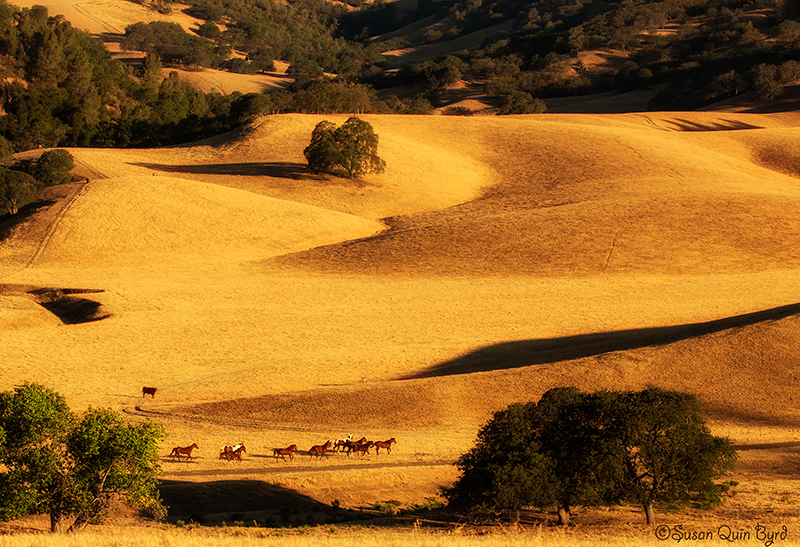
(538, 352)
(746, 373)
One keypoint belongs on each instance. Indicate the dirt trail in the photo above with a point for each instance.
(293, 468)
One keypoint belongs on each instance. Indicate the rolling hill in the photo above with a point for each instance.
(495, 258)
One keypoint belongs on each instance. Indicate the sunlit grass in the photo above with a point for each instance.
(343, 537)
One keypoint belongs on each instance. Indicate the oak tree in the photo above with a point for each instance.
(577, 449)
(351, 148)
(17, 189)
(62, 465)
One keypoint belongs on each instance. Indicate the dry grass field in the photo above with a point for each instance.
(494, 259)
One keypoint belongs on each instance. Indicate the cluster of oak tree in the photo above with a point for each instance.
(585, 449)
(351, 149)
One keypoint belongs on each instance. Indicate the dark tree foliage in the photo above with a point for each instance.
(575, 449)
(326, 96)
(519, 102)
(17, 189)
(61, 465)
(53, 167)
(352, 147)
(171, 43)
(668, 453)
(302, 32)
(507, 469)
(67, 89)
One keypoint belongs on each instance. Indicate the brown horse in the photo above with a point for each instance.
(338, 444)
(320, 450)
(179, 450)
(283, 452)
(229, 452)
(363, 448)
(385, 444)
(237, 453)
(349, 446)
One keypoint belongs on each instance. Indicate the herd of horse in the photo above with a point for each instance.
(347, 445)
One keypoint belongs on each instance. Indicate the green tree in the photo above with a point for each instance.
(553, 453)
(53, 167)
(59, 465)
(6, 152)
(17, 189)
(765, 82)
(507, 469)
(572, 430)
(573, 448)
(112, 458)
(352, 147)
(668, 453)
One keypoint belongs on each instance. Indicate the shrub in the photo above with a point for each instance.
(53, 167)
(457, 111)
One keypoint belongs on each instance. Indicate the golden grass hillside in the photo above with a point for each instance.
(495, 258)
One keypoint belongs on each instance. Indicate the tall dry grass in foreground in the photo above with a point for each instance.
(342, 537)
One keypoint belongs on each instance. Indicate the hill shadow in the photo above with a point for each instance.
(232, 500)
(523, 353)
(277, 169)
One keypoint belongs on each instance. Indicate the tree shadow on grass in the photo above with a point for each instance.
(233, 500)
(523, 353)
(278, 169)
(9, 222)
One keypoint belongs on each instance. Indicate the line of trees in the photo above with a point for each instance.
(585, 449)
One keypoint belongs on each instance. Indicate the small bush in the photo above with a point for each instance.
(391, 507)
(458, 111)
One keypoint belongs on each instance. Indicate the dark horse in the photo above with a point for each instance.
(179, 450)
(363, 448)
(320, 450)
(283, 452)
(349, 446)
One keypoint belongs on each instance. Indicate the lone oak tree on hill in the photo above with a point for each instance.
(353, 148)
(573, 448)
(63, 466)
